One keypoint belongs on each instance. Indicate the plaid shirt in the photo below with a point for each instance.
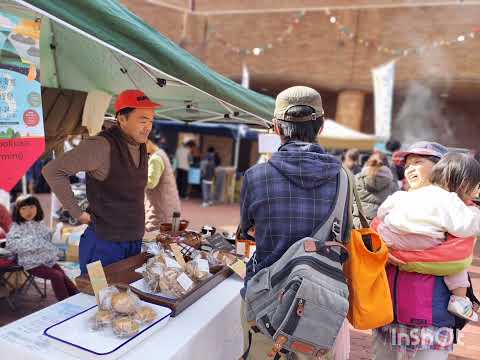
(286, 199)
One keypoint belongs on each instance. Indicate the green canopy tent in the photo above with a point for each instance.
(100, 45)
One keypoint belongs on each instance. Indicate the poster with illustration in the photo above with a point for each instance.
(22, 137)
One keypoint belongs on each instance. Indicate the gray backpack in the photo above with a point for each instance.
(301, 301)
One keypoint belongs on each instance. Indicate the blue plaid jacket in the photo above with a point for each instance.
(287, 199)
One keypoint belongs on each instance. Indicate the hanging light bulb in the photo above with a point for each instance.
(461, 38)
(257, 51)
(333, 19)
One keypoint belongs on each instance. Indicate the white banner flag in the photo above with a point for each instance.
(383, 80)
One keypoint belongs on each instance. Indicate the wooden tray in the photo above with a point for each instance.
(181, 303)
(123, 272)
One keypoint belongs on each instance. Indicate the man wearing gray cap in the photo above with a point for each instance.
(291, 195)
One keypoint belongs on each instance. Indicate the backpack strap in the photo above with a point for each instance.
(363, 219)
(334, 226)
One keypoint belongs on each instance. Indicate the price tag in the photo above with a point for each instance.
(171, 263)
(178, 254)
(97, 278)
(239, 268)
(184, 281)
(203, 265)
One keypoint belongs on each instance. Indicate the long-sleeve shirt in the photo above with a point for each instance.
(156, 167)
(429, 213)
(31, 241)
(92, 155)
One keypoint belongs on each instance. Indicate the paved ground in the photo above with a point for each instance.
(226, 217)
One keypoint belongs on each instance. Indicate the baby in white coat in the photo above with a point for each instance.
(430, 212)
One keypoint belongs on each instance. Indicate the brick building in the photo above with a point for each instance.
(436, 85)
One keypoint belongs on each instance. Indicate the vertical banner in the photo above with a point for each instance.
(383, 81)
(22, 137)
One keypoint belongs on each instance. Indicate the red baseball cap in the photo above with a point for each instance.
(134, 99)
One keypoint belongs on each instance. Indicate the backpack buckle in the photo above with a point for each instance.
(336, 229)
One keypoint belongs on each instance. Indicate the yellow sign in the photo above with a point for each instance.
(97, 278)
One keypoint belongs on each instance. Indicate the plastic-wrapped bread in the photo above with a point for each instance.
(101, 319)
(223, 257)
(198, 269)
(105, 297)
(125, 302)
(163, 279)
(145, 315)
(125, 326)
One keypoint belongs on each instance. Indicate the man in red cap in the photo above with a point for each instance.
(116, 165)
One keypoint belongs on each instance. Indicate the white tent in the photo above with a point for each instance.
(338, 136)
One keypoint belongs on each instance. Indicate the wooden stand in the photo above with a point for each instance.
(123, 272)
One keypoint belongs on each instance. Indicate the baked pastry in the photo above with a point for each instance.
(196, 271)
(125, 326)
(101, 319)
(125, 302)
(223, 257)
(160, 278)
(105, 297)
(190, 238)
(145, 315)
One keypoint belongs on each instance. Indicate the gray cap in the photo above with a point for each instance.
(298, 96)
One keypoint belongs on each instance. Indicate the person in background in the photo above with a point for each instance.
(374, 184)
(30, 240)
(351, 161)
(161, 197)
(207, 171)
(183, 157)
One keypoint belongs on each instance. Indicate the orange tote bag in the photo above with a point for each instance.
(370, 300)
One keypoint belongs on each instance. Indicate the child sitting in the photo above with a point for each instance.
(420, 219)
(30, 239)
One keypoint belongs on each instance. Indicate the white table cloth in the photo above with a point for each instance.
(209, 329)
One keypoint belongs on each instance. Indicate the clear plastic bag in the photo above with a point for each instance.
(105, 297)
(101, 319)
(125, 302)
(198, 269)
(145, 315)
(125, 326)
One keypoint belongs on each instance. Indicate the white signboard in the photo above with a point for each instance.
(383, 80)
(268, 143)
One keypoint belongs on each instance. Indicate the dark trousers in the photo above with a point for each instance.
(108, 252)
(62, 286)
(182, 182)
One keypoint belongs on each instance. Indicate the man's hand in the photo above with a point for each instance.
(85, 218)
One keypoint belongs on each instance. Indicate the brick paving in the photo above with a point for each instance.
(225, 218)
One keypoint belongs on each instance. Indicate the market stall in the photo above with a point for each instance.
(209, 329)
(92, 50)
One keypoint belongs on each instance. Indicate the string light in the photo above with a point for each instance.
(347, 33)
(344, 30)
(261, 49)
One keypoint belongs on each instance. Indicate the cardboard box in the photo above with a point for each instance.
(72, 253)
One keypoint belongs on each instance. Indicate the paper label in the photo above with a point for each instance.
(251, 250)
(97, 278)
(239, 268)
(184, 281)
(178, 255)
(171, 263)
(241, 248)
(203, 265)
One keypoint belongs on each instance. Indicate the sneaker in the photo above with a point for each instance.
(205, 204)
(462, 307)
